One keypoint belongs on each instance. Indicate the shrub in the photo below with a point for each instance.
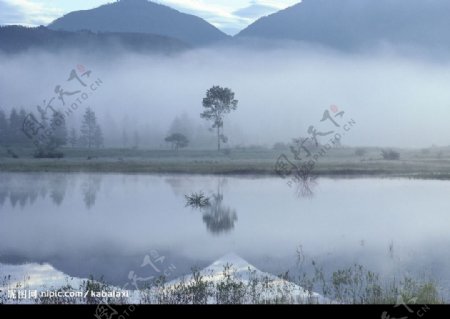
(390, 155)
(197, 200)
(45, 154)
(360, 152)
(280, 147)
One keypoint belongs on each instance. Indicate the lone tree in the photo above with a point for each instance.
(89, 129)
(178, 141)
(218, 102)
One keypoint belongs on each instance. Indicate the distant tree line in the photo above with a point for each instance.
(56, 133)
(11, 128)
(48, 131)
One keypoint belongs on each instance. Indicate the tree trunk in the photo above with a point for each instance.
(218, 138)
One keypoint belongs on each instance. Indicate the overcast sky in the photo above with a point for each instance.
(230, 16)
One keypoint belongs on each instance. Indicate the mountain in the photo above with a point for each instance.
(15, 39)
(141, 16)
(351, 24)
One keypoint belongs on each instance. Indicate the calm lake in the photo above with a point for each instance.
(105, 224)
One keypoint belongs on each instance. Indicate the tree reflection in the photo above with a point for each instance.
(90, 188)
(217, 217)
(3, 196)
(4, 187)
(20, 190)
(300, 176)
(23, 189)
(58, 187)
(179, 185)
(304, 183)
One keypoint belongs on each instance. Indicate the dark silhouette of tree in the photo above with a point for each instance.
(56, 136)
(390, 155)
(217, 103)
(88, 129)
(73, 138)
(58, 130)
(22, 139)
(177, 140)
(3, 129)
(360, 152)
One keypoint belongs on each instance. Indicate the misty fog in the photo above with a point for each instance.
(396, 101)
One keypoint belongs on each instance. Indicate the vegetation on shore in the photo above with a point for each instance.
(352, 285)
(427, 164)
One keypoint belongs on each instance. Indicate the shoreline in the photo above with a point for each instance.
(433, 164)
(328, 170)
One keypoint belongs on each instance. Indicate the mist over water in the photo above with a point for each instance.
(103, 224)
(396, 100)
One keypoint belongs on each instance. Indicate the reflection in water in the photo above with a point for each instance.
(90, 187)
(3, 195)
(217, 217)
(20, 197)
(197, 200)
(58, 187)
(371, 225)
(179, 184)
(300, 176)
(24, 189)
(305, 184)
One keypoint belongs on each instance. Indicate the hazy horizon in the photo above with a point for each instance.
(397, 101)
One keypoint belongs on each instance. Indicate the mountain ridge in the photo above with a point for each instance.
(141, 16)
(16, 39)
(350, 24)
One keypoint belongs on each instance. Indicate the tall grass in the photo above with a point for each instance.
(352, 285)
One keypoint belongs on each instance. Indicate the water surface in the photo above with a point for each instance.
(105, 224)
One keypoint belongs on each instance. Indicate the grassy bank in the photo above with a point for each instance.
(353, 285)
(427, 164)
